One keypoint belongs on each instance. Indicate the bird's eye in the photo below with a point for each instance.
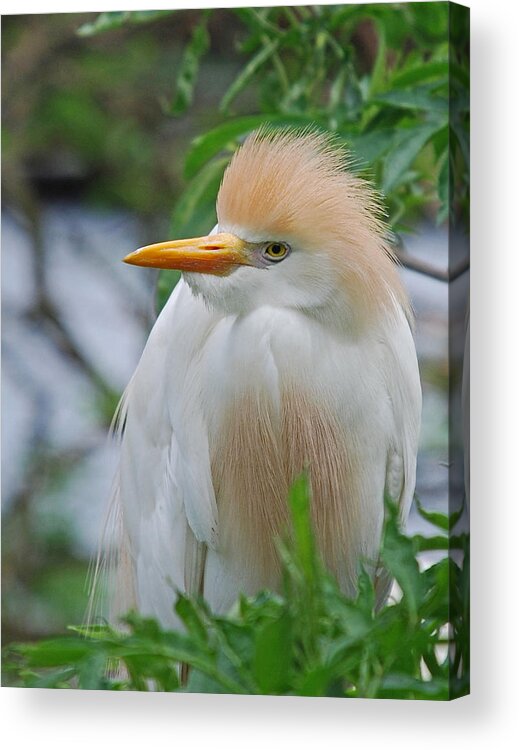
(276, 251)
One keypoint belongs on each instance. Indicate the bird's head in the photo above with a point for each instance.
(296, 229)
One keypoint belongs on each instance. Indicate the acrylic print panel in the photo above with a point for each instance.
(288, 511)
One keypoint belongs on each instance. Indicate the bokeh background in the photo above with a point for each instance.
(95, 134)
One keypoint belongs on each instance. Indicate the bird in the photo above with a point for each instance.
(286, 347)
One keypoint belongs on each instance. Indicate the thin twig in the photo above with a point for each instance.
(427, 269)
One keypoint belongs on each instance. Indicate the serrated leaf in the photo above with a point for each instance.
(57, 652)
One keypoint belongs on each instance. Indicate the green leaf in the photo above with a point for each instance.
(440, 142)
(406, 686)
(190, 615)
(273, 655)
(460, 73)
(91, 673)
(299, 502)
(313, 640)
(199, 682)
(398, 556)
(55, 679)
(366, 593)
(414, 99)
(441, 520)
(202, 188)
(408, 146)
(256, 19)
(147, 16)
(209, 144)
(337, 90)
(188, 72)
(248, 72)
(378, 73)
(430, 543)
(455, 516)
(57, 652)
(205, 146)
(104, 22)
(369, 147)
(459, 134)
(433, 543)
(116, 19)
(96, 631)
(317, 682)
(420, 73)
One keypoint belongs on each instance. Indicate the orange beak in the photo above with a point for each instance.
(218, 254)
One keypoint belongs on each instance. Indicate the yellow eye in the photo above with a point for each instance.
(276, 250)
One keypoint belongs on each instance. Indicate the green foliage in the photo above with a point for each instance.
(307, 65)
(377, 76)
(390, 81)
(115, 19)
(188, 71)
(309, 640)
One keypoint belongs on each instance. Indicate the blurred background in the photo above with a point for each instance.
(96, 128)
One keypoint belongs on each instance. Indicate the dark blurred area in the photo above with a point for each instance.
(85, 117)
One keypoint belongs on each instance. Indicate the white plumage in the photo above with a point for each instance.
(258, 369)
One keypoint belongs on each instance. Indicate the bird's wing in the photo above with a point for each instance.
(403, 386)
(164, 487)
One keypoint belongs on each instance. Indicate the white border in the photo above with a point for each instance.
(62, 719)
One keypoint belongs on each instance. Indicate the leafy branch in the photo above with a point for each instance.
(307, 66)
(309, 640)
(397, 100)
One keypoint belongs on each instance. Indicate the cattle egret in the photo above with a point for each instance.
(286, 346)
